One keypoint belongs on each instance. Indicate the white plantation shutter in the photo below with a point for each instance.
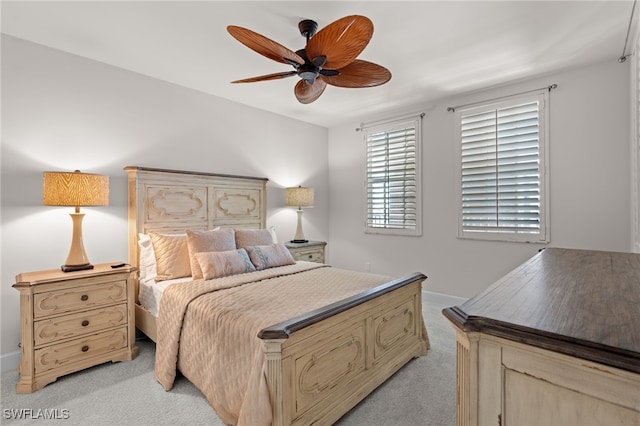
(502, 187)
(393, 178)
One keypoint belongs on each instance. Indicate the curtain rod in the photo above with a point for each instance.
(624, 57)
(388, 120)
(549, 88)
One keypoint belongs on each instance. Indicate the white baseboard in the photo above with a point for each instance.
(9, 361)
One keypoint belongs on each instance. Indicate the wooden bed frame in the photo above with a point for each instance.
(319, 365)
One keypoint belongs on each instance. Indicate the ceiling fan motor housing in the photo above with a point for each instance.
(307, 28)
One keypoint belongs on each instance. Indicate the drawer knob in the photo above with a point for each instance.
(85, 348)
(84, 297)
(85, 323)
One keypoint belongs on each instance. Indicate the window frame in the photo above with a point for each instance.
(388, 126)
(543, 236)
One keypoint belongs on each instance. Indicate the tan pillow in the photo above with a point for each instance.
(253, 237)
(216, 264)
(205, 241)
(264, 257)
(172, 256)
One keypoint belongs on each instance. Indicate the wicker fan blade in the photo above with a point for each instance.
(264, 46)
(341, 41)
(307, 93)
(359, 73)
(275, 76)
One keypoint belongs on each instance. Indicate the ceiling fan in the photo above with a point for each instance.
(329, 56)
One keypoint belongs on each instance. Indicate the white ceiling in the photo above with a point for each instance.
(434, 49)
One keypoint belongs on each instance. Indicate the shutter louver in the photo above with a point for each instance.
(391, 179)
(500, 170)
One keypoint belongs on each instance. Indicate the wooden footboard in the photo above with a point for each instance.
(322, 364)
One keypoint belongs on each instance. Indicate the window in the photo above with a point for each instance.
(502, 178)
(393, 178)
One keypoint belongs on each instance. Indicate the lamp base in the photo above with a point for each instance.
(72, 268)
(299, 237)
(77, 259)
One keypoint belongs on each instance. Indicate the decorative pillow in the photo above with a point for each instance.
(215, 264)
(206, 241)
(147, 262)
(269, 256)
(172, 256)
(253, 237)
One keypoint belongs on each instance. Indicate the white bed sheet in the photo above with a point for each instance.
(150, 293)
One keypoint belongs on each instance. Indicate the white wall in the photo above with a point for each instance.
(589, 179)
(63, 112)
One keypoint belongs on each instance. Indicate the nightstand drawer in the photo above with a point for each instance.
(73, 325)
(309, 256)
(75, 351)
(77, 298)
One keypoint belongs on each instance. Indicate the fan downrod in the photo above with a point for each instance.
(307, 28)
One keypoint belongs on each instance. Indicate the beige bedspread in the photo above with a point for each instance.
(208, 330)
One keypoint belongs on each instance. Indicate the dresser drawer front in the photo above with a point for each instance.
(74, 325)
(78, 298)
(75, 351)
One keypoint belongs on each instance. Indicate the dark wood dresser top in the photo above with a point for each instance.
(578, 302)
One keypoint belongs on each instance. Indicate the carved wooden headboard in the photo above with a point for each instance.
(172, 201)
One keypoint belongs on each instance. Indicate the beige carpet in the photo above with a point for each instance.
(421, 393)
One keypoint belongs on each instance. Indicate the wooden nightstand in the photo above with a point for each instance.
(74, 320)
(313, 251)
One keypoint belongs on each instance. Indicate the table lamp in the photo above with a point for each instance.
(299, 197)
(77, 190)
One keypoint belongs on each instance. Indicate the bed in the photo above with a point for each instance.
(288, 343)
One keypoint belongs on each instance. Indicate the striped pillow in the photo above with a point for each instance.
(216, 264)
(269, 256)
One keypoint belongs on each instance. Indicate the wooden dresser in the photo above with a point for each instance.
(555, 342)
(312, 251)
(74, 320)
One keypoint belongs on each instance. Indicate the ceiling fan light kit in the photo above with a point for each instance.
(329, 56)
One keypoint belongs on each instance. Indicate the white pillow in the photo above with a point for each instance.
(274, 237)
(147, 263)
